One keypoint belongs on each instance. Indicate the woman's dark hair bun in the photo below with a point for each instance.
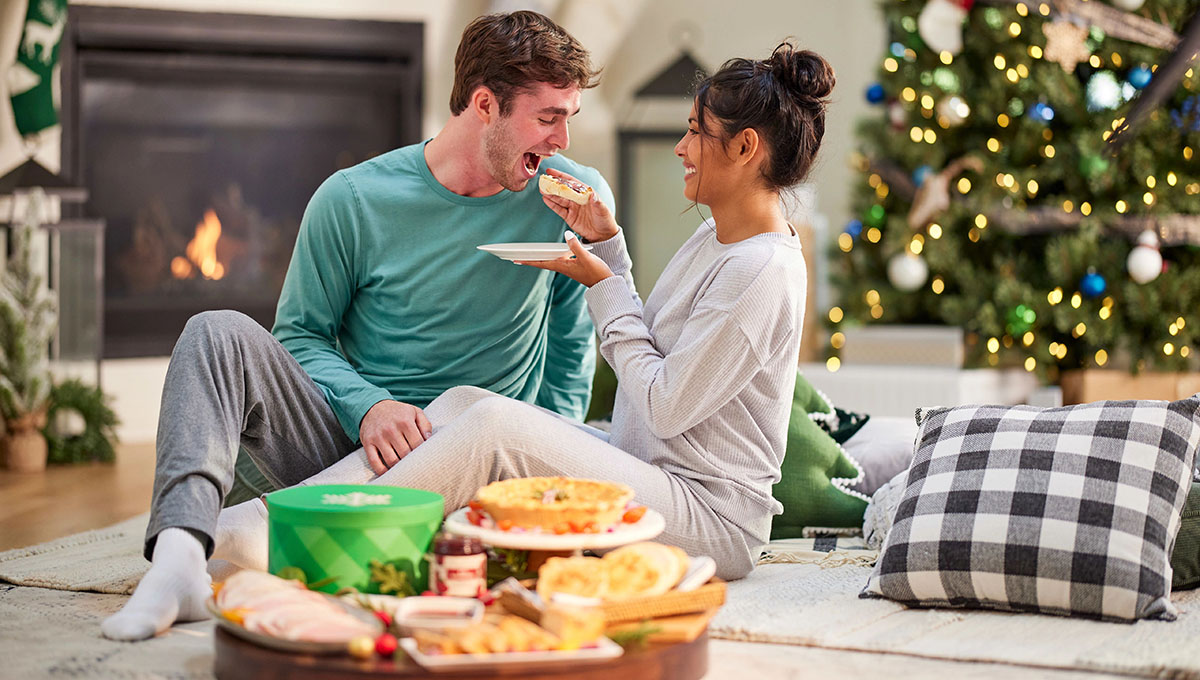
(783, 97)
(804, 72)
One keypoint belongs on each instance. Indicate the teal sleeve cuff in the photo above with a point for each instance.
(351, 409)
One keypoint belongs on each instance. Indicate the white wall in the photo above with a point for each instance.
(631, 39)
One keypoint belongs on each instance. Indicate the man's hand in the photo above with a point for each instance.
(593, 221)
(582, 266)
(390, 431)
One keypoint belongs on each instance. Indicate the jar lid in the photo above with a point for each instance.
(354, 505)
(446, 543)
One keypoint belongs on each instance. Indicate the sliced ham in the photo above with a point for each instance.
(287, 610)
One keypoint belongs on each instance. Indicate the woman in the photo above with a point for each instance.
(706, 368)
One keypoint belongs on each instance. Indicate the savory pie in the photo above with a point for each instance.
(557, 504)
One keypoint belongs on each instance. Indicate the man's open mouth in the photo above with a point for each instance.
(532, 161)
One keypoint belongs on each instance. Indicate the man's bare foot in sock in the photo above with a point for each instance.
(242, 535)
(174, 589)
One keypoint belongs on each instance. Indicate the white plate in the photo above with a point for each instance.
(532, 252)
(605, 649)
(296, 646)
(650, 525)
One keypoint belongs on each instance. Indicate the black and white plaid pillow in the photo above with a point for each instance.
(1067, 510)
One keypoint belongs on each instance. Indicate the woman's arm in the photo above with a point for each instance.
(732, 331)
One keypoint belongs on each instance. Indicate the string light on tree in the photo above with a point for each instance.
(1020, 320)
(1128, 5)
(1145, 262)
(1041, 112)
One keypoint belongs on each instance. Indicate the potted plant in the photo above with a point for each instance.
(28, 318)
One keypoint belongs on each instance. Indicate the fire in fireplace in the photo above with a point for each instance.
(200, 138)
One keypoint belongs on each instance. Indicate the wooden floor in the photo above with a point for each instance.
(67, 499)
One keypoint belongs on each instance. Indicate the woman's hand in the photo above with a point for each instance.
(592, 221)
(582, 266)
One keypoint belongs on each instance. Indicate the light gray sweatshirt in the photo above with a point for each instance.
(707, 366)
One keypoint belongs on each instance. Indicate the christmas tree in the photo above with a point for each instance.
(993, 198)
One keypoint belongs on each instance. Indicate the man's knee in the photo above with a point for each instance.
(219, 327)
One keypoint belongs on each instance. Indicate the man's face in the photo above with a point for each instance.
(535, 127)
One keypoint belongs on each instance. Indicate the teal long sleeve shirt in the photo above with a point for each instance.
(387, 297)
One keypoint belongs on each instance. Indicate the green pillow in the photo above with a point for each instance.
(1185, 558)
(816, 472)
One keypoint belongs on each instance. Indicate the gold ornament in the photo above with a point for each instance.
(1065, 44)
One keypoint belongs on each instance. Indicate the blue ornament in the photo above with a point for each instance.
(1140, 77)
(921, 174)
(1041, 112)
(854, 228)
(875, 93)
(1092, 285)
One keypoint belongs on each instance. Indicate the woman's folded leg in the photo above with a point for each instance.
(496, 438)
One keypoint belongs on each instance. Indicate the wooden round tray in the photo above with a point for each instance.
(236, 658)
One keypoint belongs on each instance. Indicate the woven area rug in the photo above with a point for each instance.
(815, 605)
(804, 592)
(106, 560)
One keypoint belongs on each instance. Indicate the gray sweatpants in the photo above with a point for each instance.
(230, 382)
(480, 437)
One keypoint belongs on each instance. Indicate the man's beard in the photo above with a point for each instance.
(501, 157)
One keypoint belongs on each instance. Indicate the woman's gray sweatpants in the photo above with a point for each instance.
(480, 437)
(230, 382)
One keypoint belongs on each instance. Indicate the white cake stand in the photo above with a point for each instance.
(650, 525)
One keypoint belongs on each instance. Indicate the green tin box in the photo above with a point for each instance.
(336, 531)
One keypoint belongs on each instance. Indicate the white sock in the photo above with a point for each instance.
(242, 535)
(352, 469)
(174, 589)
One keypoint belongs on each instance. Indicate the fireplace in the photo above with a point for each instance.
(200, 138)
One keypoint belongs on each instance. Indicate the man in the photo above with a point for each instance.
(386, 304)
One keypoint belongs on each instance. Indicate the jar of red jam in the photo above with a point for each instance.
(457, 566)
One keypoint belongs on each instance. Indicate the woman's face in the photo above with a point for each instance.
(704, 162)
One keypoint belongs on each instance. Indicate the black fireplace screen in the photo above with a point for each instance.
(202, 155)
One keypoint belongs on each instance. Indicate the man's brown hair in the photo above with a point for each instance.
(508, 53)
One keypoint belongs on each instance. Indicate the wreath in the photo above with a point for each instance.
(95, 442)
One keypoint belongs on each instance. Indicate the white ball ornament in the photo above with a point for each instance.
(1128, 5)
(1145, 261)
(907, 271)
(940, 24)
